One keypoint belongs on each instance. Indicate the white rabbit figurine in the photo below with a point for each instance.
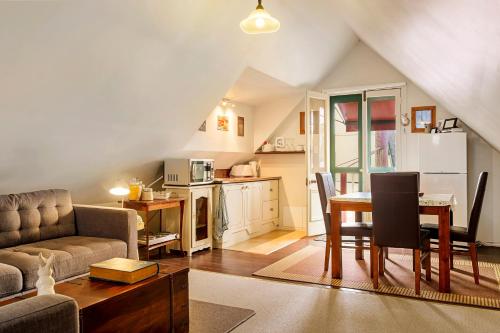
(46, 282)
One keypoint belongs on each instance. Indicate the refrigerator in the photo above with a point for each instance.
(443, 169)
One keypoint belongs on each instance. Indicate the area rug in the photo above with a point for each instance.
(306, 265)
(215, 318)
(268, 243)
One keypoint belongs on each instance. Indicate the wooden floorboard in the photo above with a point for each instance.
(245, 264)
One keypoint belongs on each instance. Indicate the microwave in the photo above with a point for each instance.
(188, 172)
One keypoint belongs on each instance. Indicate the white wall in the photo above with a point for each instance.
(362, 66)
(292, 169)
(225, 141)
(95, 92)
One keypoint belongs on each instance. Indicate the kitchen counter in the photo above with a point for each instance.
(233, 180)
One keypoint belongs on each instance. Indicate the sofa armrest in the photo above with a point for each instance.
(116, 223)
(46, 313)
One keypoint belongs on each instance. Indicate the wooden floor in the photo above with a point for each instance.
(244, 264)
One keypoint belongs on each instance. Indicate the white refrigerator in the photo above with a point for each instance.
(443, 169)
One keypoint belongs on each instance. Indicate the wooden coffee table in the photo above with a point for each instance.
(158, 304)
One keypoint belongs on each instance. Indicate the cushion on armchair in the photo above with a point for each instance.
(73, 255)
(35, 216)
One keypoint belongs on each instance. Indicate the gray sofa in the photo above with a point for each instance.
(47, 222)
(47, 313)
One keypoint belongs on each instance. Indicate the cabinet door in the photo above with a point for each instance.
(234, 205)
(201, 216)
(270, 190)
(253, 203)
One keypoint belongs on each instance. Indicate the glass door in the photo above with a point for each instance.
(383, 144)
(346, 124)
(317, 127)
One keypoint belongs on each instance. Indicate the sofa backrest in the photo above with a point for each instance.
(35, 216)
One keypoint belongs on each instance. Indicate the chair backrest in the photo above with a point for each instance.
(477, 206)
(396, 221)
(326, 188)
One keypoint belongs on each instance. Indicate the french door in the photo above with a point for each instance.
(317, 129)
(364, 138)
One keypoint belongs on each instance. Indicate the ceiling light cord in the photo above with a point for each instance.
(259, 5)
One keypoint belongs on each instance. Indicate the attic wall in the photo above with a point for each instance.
(362, 66)
(94, 92)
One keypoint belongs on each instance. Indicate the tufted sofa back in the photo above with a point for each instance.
(35, 216)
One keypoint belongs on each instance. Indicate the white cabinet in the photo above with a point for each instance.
(252, 209)
(198, 217)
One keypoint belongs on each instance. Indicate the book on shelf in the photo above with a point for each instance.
(123, 270)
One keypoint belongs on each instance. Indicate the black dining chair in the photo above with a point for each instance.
(465, 235)
(361, 230)
(396, 221)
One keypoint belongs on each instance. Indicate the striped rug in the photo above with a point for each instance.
(306, 265)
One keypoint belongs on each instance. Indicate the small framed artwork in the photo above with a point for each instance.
(222, 123)
(203, 127)
(302, 123)
(422, 115)
(450, 123)
(434, 130)
(241, 126)
(280, 142)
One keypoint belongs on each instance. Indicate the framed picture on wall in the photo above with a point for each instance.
(241, 126)
(421, 116)
(222, 123)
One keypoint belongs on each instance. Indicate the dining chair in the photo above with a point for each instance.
(465, 235)
(361, 230)
(396, 221)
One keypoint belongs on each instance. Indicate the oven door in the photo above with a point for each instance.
(197, 172)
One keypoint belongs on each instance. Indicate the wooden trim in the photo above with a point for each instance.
(414, 111)
(359, 89)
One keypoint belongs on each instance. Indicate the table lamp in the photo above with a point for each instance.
(119, 191)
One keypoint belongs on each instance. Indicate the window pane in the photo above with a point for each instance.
(347, 183)
(382, 135)
(346, 134)
(318, 131)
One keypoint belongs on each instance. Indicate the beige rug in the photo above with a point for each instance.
(268, 243)
(215, 318)
(306, 265)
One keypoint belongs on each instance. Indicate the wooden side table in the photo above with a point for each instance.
(157, 206)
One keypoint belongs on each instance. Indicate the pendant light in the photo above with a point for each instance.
(259, 22)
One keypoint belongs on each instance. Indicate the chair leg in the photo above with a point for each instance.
(428, 271)
(386, 252)
(451, 255)
(473, 257)
(372, 255)
(375, 266)
(413, 257)
(358, 241)
(417, 271)
(381, 261)
(327, 252)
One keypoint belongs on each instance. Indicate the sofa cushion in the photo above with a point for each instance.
(11, 280)
(34, 216)
(73, 255)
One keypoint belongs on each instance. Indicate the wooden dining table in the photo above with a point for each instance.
(430, 204)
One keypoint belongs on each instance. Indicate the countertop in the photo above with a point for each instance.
(233, 180)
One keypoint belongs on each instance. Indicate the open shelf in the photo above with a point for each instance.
(280, 152)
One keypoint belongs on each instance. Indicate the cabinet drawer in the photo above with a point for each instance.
(270, 210)
(270, 190)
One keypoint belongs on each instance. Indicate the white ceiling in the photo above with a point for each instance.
(93, 92)
(450, 48)
(255, 88)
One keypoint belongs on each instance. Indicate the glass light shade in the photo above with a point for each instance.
(120, 191)
(258, 22)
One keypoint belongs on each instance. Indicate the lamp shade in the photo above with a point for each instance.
(119, 191)
(259, 21)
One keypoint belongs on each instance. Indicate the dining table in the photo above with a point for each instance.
(439, 205)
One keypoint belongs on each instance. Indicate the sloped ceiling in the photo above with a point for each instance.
(93, 92)
(450, 48)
